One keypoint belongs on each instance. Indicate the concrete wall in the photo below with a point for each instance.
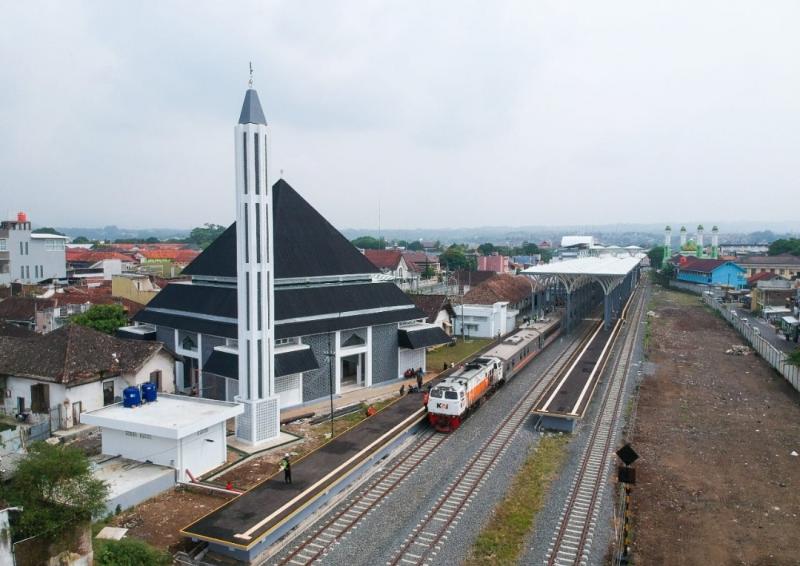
(385, 365)
(316, 382)
(162, 451)
(411, 359)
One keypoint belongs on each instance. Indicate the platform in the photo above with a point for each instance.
(567, 398)
(246, 525)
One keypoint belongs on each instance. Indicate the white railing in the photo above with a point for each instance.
(770, 353)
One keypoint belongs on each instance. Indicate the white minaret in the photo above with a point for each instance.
(261, 418)
(683, 236)
(700, 250)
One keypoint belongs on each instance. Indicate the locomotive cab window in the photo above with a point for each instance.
(450, 395)
(437, 393)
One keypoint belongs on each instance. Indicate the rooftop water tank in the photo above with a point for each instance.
(149, 392)
(131, 397)
(22, 217)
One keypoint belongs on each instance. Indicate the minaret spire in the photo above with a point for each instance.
(255, 279)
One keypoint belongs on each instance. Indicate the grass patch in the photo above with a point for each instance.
(502, 539)
(447, 354)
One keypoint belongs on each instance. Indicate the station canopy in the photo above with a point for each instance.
(608, 271)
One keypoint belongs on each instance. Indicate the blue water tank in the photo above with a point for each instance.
(131, 397)
(149, 392)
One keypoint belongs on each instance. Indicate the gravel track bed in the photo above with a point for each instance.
(382, 532)
(536, 547)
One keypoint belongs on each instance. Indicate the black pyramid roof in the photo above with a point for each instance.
(305, 244)
(251, 109)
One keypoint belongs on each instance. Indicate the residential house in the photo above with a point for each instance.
(74, 369)
(772, 292)
(438, 310)
(492, 308)
(495, 262)
(710, 272)
(427, 265)
(29, 258)
(787, 266)
(139, 288)
(464, 279)
(392, 263)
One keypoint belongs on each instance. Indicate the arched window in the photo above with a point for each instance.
(188, 344)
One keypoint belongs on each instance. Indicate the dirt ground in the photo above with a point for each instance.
(717, 483)
(159, 519)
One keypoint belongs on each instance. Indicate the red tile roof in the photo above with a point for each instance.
(501, 287)
(73, 354)
(431, 305)
(176, 255)
(384, 259)
(701, 265)
(417, 261)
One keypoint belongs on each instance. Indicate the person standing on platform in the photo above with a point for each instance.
(419, 379)
(286, 466)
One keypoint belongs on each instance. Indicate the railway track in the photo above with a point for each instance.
(322, 540)
(572, 539)
(427, 537)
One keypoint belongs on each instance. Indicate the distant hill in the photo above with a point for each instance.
(116, 233)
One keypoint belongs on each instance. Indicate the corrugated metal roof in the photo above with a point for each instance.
(599, 266)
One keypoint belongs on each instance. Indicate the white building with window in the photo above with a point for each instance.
(184, 433)
(485, 321)
(26, 257)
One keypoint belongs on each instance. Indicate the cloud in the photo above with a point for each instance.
(447, 114)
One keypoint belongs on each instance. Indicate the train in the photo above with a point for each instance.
(453, 398)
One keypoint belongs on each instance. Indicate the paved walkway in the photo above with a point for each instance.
(358, 395)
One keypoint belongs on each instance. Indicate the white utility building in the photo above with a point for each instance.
(184, 433)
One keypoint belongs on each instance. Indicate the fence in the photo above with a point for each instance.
(770, 353)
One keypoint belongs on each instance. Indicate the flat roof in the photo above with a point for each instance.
(599, 266)
(171, 416)
(123, 475)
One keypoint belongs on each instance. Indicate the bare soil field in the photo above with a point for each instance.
(159, 519)
(717, 481)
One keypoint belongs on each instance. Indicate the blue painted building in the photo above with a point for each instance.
(711, 272)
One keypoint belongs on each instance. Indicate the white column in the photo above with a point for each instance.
(255, 281)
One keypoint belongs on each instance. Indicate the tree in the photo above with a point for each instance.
(81, 240)
(205, 234)
(128, 552)
(486, 249)
(785, 246)
(415, 246)
(428, 272)
(656, 256)
(152, 240)
(528, 248)
(793, 359)
(105, 318)
(47, 230)
(56, 489)
(369, 243)
(455, 257)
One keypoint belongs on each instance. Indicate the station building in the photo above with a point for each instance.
(282, 309)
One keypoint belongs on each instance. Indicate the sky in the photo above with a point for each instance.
(411, 114)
